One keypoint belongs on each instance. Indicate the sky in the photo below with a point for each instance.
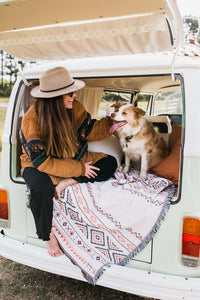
(189, 7)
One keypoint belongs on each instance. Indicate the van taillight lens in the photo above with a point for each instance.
(191, 241)
(3, 204)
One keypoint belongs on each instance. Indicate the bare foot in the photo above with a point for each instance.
(52, 246)
(63, 185)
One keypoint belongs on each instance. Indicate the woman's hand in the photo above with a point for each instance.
(89, 170)
(63, 185)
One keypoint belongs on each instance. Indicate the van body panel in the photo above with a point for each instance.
(135, 281)
(157, 271)
(97, 45)
(192, 143)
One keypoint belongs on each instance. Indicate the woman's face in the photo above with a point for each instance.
(68, 100)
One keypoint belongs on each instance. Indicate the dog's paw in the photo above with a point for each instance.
(125, 170)
(119, 169)
(143, 174)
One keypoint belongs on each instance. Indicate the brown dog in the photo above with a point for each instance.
(139, 141)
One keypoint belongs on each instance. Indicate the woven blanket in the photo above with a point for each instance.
(104, 223)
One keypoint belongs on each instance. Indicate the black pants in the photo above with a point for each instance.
(42, 192)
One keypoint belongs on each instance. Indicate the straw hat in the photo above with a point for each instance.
(56, 82)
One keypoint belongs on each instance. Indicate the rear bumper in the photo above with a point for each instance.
(125, 279)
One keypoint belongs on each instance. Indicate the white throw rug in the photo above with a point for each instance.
(104, 223)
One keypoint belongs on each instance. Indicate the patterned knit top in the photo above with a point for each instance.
(33, 147)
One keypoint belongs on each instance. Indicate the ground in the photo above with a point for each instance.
(20, 282)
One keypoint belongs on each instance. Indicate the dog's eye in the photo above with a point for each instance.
(124, 113)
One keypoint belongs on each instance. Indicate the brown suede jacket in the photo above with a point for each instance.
(33, 148)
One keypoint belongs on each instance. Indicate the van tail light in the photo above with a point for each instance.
(191, 242)
(3, 204)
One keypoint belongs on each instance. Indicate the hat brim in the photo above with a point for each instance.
(37, 93)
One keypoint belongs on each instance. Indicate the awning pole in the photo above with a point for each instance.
(173, 62)
(26, 82)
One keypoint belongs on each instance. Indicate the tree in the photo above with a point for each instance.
(192, 25)
(8, 68)
(112, 96)
(2, 54)
(11, 69)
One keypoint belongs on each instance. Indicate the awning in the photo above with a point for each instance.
(149, 26)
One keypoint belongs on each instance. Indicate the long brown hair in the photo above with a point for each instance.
(57, 127)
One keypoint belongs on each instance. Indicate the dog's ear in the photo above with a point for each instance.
(139, 112)
(117, 105)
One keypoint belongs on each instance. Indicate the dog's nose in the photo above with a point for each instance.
(113, 115)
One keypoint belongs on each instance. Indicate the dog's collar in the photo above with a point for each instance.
(128, 138)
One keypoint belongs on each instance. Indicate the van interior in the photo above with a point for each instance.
(158, 95)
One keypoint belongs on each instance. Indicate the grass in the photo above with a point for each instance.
(20, 282)
(4, 99)
(3, 109)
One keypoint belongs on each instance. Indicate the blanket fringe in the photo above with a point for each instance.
(154, 229)
(89, 278)
(141, 246)
(93, 280)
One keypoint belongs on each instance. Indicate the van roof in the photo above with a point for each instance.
(48, 29)
(117, 71)
(119, 63)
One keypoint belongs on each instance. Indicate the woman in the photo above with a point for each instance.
(54, 136)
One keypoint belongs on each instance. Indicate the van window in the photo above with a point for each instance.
(110, 97)
(151, 97)
(3, 109)
(143, 101)
(24, 101)
(168, 102)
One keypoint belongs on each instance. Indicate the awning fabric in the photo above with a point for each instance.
(112, 36)
(20, 14)
(53, 30)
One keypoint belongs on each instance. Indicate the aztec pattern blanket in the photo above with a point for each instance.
(105, 223)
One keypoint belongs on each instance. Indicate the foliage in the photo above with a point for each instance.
(113, 96)
(9, 69)
(193, 24)
(192, 28)
(144, 97)
(5, 89)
